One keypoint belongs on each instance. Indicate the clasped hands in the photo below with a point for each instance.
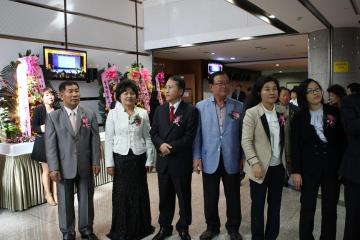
(165, 149)
(55, 176)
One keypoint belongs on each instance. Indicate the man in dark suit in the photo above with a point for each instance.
(238, 94)
(350, 169)
(173, 132)
(72, 145)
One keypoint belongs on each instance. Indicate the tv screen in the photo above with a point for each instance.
(214, 67)
(65, 63)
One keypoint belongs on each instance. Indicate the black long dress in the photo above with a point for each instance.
(131, 217)
(38, 119)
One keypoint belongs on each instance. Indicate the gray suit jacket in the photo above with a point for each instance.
(71, 152)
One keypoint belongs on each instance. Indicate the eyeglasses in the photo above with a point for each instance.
(313, 91)
(220, 84)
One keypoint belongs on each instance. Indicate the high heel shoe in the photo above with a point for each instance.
(50, 200)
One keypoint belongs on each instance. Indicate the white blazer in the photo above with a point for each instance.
(122, 133)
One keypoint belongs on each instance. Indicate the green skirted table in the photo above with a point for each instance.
(21, 185)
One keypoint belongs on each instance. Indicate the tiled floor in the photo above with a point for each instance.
(40, 222)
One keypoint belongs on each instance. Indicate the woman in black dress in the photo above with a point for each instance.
(128, 155)
(317, 145)
(38, 153)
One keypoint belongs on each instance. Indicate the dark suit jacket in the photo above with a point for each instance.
(350, 111)
(38, 118)
(309, 155)
(241, 96)
(180, 137)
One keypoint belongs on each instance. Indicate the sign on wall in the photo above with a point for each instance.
(341, 66)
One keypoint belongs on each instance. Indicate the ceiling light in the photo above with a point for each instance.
(272, 16)
(212, 53)
(245, 38)
(220, 58)
(280, 71)
(265, 19)
(187, 45)
(277, 65)
(232, 58)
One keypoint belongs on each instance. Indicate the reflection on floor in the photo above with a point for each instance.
(41, 223)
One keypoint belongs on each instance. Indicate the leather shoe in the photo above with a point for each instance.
(208, 234)
(235, 236)
(184, 235)
(90, 236)
(162, 234)
(69, 236)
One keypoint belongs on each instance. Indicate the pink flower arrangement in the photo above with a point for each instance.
(282, 120)
(85, 122)
(32, 65)
(160, 77)
(160, 81)
(111, 73)
(330, 120)
(135, 75)
(235, 115)
(177, 120)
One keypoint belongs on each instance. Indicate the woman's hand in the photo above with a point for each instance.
(42, 128)
(297, 179)
(257, 171)
(110, 171)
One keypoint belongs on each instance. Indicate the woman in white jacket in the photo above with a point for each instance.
(128, 154)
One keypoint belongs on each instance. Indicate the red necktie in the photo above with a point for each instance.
(171, 114)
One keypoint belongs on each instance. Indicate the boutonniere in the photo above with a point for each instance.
(85, 122)
(282, 119)
(136, 120)
(235, 115)
(330, 120)
(177, 120)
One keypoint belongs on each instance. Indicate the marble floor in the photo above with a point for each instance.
(41, 223)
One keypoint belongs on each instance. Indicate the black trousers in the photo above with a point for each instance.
(352, 204)
(330, 188)
(169, 187)
(231, 183)
(272, 186)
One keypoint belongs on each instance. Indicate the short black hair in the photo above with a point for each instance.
(284, 89)
(259, 84)
(180, 82)
(63, 85)
(354, 87)
(302, 92)
(218, 73)
(123, 86)
(337, 90)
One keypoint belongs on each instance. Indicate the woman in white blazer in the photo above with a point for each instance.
(263, 145)
(128, 153)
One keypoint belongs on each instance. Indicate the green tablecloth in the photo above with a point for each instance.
(21, 185)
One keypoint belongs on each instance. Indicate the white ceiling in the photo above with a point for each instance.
(289, 65)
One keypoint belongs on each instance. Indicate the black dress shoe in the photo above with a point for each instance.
(69, 236)
(235, 236)
(209, 234)
(184, 235)
(90, 236)
(162, 234)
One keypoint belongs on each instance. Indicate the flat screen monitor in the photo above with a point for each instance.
(214, 67)
(65, 63)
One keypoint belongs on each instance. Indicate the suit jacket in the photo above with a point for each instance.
(309, 155)
(38, 119)
(68, 151)
(119, 129)
(210, 141)
(180, 135)
(256, 141)
(241, 96)
(350, 111)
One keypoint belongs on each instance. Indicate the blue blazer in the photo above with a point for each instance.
(209, 141)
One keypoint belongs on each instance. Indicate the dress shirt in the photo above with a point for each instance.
(68, 110)
(175, 105)
(220, 112)
(317, 120)
(274, 128)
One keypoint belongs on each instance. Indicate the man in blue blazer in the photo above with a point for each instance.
(217, 153)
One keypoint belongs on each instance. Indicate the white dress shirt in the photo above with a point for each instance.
(274, 128)
(317, 120)
(176, 105)
(69, 111)
(122, 134)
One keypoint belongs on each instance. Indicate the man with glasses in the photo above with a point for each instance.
(217, 153)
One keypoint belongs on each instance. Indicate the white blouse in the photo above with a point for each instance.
(317, 120)
(274, 128)
(123, 133)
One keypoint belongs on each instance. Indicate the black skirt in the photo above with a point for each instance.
(131, 216)
(38, 152)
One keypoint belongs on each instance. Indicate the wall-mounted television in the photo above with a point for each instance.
(65, 63)
(214, 67)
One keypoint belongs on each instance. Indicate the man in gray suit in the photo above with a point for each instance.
(72, 145)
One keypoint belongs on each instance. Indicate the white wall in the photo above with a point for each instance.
(177, 22)
(26, 21)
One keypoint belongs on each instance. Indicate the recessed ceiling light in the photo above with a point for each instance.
(280, 71)
(212, 53)
(272, 16)
(187, 45)
(277, 65)
(220, 58)
(245, 38)
(232, 58)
